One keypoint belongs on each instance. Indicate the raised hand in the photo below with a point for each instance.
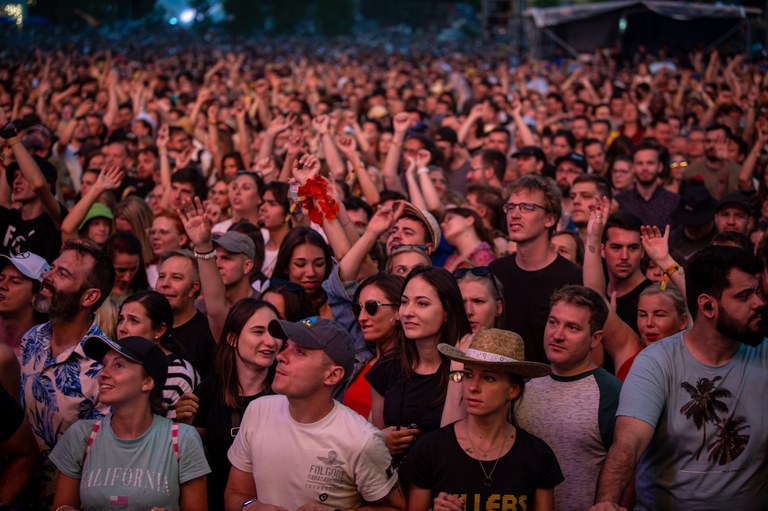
(346, 145)
(109, 178)
(655, 244)
(305, 168)
(401, 122)
(295, 143)
(265, 165)
(423, 157)
(321, 124)
(196, 223)
(381, 221)
(162, 137)
(598, 213)
(280, 123)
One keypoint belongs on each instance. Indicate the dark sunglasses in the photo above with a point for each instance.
(292, 287)
(371, 307)
(477, 271)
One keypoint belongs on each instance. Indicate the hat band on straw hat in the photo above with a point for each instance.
(485, 356)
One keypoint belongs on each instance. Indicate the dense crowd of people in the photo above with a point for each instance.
(317, 278)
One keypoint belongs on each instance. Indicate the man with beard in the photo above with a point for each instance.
(691, 415)
(720, 175)
(650, 201)
(59, 382)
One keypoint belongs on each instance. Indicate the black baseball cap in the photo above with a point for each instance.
(696, 206)
(576, 158)
(138, 349)
(531, 150)
(318, 333)
(735, 199)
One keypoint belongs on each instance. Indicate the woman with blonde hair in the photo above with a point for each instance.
(133, 215)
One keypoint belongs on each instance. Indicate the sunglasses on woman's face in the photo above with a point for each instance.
(371, 307)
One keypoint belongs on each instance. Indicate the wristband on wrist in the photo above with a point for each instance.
(423, 170)
(13, 141)
(211, 254)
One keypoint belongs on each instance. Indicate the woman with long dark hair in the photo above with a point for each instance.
(375, 305)
(305, 259)
(243, 369)
(408, 392)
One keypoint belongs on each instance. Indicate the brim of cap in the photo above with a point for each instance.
(301, 335)
(738, 204)
(524, 369)
(21, 269)
(96, 347)
(230, 246)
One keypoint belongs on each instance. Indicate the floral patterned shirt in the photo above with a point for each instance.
(57, 392)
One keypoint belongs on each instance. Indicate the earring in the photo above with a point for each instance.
(510, 416)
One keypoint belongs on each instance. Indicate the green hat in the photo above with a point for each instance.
(98, 210)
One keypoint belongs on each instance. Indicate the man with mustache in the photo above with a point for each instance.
(59, 382)
(691, 416)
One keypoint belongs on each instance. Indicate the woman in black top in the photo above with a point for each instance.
(408, 390)
(484, 461)
(243, 369)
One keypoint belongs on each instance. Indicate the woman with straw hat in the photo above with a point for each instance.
(484, 460)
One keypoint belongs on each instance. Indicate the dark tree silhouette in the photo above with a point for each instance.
(729, 442)
(704, 405)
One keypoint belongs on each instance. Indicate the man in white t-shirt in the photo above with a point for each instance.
(301, 450)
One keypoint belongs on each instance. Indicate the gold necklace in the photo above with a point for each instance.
(488, 481)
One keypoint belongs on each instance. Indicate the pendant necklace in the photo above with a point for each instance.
(488, 481)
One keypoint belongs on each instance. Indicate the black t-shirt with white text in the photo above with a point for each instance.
(438, 463)
(38, 235)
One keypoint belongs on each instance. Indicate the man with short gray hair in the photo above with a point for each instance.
(179, 281)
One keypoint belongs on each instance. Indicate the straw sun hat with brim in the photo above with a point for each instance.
(497, 350)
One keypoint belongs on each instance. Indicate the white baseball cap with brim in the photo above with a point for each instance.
(30, 265)
(497, 350)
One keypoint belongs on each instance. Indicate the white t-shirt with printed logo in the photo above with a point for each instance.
(339, 461)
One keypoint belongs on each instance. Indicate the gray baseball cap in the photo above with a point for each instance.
(318, 333)
(237, 243)
(30, 265)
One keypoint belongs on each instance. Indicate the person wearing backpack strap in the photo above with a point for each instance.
(134, 458)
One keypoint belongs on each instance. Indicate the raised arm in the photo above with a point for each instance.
(30, 170)
(748, 167)
(198, 229)
(109, 178)
(392, 161)
(619, 340)
(380, 223)
(656, 246)
(165, 165)
(347, 147)
(112, 104)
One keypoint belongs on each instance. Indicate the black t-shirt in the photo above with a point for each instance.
(417, 401)
(38, 235)
(438, 463)
(526, 298)
(13, 415)
(626, 306)
(198, 342)
(216, 418)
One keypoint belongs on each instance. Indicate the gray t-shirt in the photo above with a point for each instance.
(575, 416)
(710, 447)
(135, 474)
